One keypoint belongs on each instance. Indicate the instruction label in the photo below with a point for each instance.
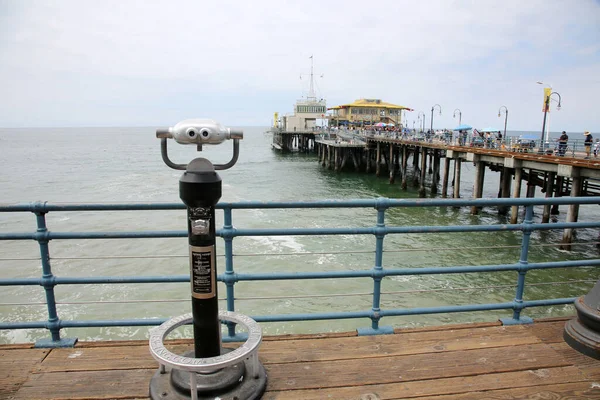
(202, 272)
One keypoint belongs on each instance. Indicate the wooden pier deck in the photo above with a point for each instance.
(473, 361)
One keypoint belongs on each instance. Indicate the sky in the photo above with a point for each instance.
(154, 63)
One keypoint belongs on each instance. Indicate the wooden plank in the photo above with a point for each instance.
(397, 344)
(590, 366)
(301, 336)
(122, 357)
(437, 387)
(567, 391)
(103, 358)
(449, 327)
(548, 332)
(126, 384)
(369, 371)
(15, 366)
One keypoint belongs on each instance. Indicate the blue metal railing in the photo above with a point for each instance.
(380, 230)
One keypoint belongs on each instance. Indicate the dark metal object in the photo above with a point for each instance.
(233, 376)
(433, 108)
(583, 333)
(546, 108)
(174, 384)
(182, 167)
(200, 190)
(215, 382)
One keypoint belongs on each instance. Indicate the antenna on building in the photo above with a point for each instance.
(311, 91)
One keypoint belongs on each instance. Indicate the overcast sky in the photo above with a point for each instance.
(153, 63)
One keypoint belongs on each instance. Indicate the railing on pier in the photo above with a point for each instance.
(379, 230)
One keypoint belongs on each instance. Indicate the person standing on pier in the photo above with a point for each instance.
(589, 139)
(562, 144)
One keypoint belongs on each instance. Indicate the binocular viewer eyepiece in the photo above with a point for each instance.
(199, 132)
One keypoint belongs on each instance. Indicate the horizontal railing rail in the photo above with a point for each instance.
(48, 280)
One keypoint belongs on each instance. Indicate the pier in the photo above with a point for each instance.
(303, 142)
(555, 176)
(511, 355)
(469, 361)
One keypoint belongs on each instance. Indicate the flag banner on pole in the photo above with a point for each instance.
(546, 106)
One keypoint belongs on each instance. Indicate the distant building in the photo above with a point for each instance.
(305, 116)
(366, 112)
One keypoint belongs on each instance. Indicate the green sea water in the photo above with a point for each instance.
(124, 165)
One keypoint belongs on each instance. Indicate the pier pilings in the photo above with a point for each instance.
(555, 176)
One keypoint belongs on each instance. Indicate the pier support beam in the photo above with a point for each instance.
(479, 179)
(416, 169)
(355, 160)
(457, 166)
(345, 154)
(392, 164)
(423, 171)
(368, 161)
(573, 213)
(514, 212)
(435, 179)
(549, 190)
(505, 183)
(558, 192)
(378, 160)
(404, 184)
(530, 185)
(336, 159)
(446, 176)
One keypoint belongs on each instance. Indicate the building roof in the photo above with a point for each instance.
(371, 103)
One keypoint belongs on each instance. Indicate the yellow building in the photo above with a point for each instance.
(367, 112)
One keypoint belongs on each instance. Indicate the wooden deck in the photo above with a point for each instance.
(480, 361)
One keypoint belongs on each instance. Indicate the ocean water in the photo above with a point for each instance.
(124, 165)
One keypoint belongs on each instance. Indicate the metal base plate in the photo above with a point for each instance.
(246, 388)
(520, 321)
(582, 338)
(53, 344)
(215, 381)
(383, 330)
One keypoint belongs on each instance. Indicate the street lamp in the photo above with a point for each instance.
(433, 108)
(546, 108)
(422, 119)
(505, 117)
(548, 86)
(459, 116)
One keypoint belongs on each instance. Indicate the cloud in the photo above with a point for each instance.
(144, 63)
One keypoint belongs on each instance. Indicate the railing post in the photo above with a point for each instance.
(229, 272)
(48, 284)
(375, 329)
(518, 301)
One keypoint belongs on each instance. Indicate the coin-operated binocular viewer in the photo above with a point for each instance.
(209, 371)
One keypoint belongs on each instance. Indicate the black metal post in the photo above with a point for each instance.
(432, 108)
(200, 190)
(431, 129)
(546, 105)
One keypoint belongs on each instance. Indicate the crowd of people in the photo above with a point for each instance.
(475, 138)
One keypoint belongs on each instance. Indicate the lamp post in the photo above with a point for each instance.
(505, 117)
(422, 120)
(546, 108)
(547, 132)
(433, 108)
(459, 116)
